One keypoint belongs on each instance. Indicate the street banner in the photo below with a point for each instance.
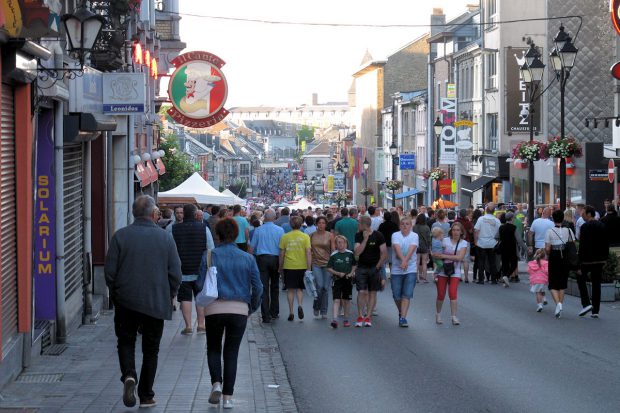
(330, 183)
(445, 187)
(44, 237)
(517, 95)
(451, 91)
(447, 141)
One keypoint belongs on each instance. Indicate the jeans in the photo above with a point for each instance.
(126, 323)
(323, 281)
(268, 268)
(595, 271)
(403, 285)
(232, 328)
(487, 262)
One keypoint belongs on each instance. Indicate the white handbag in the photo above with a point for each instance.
(208, 294)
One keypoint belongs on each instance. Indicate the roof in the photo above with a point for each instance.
(451, 27)
(322, 149)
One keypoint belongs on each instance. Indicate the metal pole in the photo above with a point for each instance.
(393, 198)
(366, 186)
(531, 184)
(563, 78)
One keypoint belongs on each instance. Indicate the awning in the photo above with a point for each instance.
(478, 184)
(408, 193)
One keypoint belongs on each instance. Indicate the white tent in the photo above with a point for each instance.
(195, 190)
(303, 203)
(238, 200)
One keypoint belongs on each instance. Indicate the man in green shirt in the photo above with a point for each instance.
(347, 226)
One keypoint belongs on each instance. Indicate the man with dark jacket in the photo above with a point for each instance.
(611, 220)
(190, 237)
(593, 253)
(142, 291)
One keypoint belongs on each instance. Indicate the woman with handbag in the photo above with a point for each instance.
(508, 247)
(556, 241)
(239, 291)
(454, 250)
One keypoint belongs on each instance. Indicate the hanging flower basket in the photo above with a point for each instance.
(564, 148)
(366, 191)
(436, 174)
(530, 151)
(341, 196)
(393, 185)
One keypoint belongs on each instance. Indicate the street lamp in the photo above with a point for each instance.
(437, 128)
(563, 58)
(393, 152)
(345, 169)
(532, 72)
(366, 166)
(313, 182)
(323, 179)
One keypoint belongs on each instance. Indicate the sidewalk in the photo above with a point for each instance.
(85, 377)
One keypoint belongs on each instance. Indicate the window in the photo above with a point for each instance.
(318, 165)
(491, 13)
(491, 143)
(405, 122)
(244, 169)
(491, 71)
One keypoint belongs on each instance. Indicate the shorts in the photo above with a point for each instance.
(403, 285)
(186, 289)
(342, 289)
(368, 279)
(294, 279)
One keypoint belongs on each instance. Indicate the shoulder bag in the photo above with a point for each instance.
(449, 267)
(571, 251)
(209, 293)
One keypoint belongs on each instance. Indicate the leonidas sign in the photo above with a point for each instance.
(198, 90)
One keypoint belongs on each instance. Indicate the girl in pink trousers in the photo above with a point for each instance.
(539, 277)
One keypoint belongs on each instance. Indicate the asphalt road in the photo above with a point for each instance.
(504, 357)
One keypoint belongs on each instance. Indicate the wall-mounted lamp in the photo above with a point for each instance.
(136, 159)
(146, 156)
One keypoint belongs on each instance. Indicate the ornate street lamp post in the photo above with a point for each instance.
(366, 166)
(563, 58)
(394, 153)
(438, 128)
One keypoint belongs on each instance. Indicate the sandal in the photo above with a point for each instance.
(187, 331)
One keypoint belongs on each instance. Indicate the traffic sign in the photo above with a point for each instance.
(611, 167)
(615, 70)
(407, 161)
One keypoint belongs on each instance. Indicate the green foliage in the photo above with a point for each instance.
(610, 269)
(238, 188)
(178, 166)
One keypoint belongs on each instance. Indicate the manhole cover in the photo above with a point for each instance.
(55, 350)
(39, 378)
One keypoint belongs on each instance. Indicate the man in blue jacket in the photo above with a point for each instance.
(142, 291)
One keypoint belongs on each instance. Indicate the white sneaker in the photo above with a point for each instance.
(558, 310)
(539, 308)
(216, 393)
(506, 281)
(585, 310)
(545, 302)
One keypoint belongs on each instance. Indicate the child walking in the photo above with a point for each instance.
(539, 277)
(341, 265)
(437, 248)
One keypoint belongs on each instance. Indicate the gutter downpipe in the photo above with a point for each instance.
(61, 322)
(88, 269)
(430, 111)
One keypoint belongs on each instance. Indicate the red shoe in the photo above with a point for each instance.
(346, 323)
(359, 322)
(367, 322)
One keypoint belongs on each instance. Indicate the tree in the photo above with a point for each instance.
(305, 134)
(238, 188)
(178, 166)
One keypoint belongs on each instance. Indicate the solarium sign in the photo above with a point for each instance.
(198, 90)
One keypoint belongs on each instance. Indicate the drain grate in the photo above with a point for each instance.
(55, 350)
(39, 378)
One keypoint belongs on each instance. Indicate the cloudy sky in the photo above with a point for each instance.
(283, 64)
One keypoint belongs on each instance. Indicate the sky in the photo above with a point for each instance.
(282, 64)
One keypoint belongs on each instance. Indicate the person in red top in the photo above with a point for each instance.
(469, 237)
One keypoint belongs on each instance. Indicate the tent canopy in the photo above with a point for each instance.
(238, 200)
(303, 203)
(195, 190)
(444, 203)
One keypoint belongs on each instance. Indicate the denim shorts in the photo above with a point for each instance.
(403, 285)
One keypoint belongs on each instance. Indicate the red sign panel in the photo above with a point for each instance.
(611, 167)
(142, 174)
(445, 187)
(198, 90)
(614, 8)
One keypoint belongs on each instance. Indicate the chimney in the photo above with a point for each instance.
(472, 8)
(315, 99)
(438, 21)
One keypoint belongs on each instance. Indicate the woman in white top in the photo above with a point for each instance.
(555, 246)
(454, 249)
(404, 265)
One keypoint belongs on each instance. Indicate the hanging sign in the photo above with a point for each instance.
(198, 90)
(445, 187)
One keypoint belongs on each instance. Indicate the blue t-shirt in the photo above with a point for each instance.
(243, 224)
(437, 246)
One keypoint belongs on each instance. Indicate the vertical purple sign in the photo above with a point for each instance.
(44, 268)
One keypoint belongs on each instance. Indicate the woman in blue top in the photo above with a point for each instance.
(239, 294)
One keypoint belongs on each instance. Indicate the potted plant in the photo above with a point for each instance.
(393, 185)
(564, 148)
(366, 191)
(436, 174)
(529, 151)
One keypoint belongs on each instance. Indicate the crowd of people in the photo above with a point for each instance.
(330, 251)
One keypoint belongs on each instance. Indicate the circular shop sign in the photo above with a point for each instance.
(198, 90)
(464, 145)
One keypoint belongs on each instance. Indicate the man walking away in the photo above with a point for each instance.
(142, 292)
(244, 229)
(486, 233)
(593, 254)
(190, 237)
(265, 245)
(347, 227)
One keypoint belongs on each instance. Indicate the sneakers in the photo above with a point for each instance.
(367, 322)
(147, 403)
(129, 392)
(506, 281)
(323, 316)
(300, 313)
(334, 324)
(315, 313)
(585, 310)
(359, 322)
(291, 317)
(228, 404)
(187, 331)
(402, 322)
(545, 302)
(594, 315)
(539, 307)
(346, 323)
(202, 330)
(558, 310)
(216, 393)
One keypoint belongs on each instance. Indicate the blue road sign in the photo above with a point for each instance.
(407, 161)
